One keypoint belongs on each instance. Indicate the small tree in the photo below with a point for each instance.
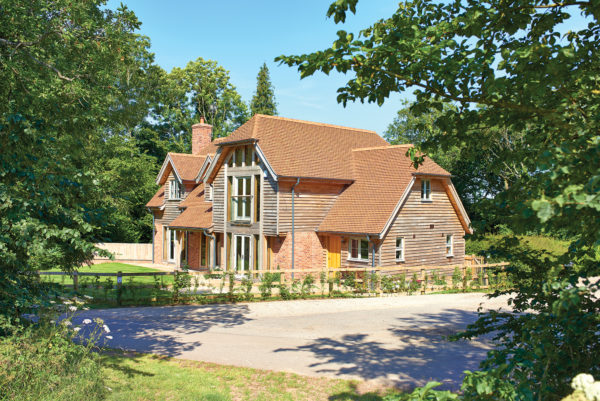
(263, 101)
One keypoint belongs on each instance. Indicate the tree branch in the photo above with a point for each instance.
(449, 96)
(17, 45)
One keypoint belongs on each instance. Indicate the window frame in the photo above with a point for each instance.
(246, 251)
(176, 190)
(359, 250)
(449, 245)
(426, 190)
(208, 192)
(235, 197)
(170, 241)
(401, 249)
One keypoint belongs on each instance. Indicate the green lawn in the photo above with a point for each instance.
(110, 267)
(134, 376)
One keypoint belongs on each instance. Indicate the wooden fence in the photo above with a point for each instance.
(126, 251)
(422, 274)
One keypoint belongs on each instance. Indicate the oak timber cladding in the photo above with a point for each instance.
(425, 245)
(312, 202)
(269, 207)
(171, 209)
(219, 200)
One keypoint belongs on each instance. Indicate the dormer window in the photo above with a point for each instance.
(176, 190)
(426, 190)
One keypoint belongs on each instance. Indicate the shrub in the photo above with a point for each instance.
(387, 284)
(181, 281)
(323, 280)
(374, 280)
(456, 277)
(307, 285)
(414, 284)
(284, 292)
(266, 284)
(349, 280)
(247, 284)
(295, 288)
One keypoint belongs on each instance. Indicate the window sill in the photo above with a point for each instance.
(426, 200)
(400, 260)
(450, 256)
(241, 222)
(358, 260)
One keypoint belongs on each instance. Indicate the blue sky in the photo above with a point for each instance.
(241, 35)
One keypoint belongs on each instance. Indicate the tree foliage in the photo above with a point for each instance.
(525, 91)
(201, 89)
(263, 101)
(61, 65)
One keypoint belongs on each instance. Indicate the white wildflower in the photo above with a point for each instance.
(52, 321)
(72, 308)
(592, 391)
(109, 337)
(85, 308)
(581, 381)
(77, 329)
(66, 323)
(106, 329)
(52, 302)
(87, 321)
(88, 297)
(67, 302)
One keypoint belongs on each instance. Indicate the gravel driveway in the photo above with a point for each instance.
(389, 340)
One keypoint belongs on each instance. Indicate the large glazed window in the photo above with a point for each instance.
(241, 198)
(244, 198)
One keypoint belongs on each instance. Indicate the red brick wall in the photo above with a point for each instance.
(194, 249)
(308, 253)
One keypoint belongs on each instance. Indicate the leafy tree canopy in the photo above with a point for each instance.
(263, 101)
(62, 67)
(523, 87)
(202, 89)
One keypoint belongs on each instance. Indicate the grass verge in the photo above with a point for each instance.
(133, 376)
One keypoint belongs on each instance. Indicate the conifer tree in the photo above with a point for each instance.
(263, 101)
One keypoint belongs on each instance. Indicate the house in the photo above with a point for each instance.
(284, 193)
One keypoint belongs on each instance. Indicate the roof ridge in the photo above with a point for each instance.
(405, 145)
(316, 123)
(184, 154)
(252, 135)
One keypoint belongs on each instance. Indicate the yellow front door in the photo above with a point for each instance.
(334, 248)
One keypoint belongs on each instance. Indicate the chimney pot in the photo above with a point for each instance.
(201, 136)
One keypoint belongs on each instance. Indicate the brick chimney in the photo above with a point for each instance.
(201, 136)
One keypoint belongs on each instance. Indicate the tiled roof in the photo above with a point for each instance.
(158, 198)
(197, 213)
(381, 176)
(298, 148)
(194, 217)
(187, 165)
